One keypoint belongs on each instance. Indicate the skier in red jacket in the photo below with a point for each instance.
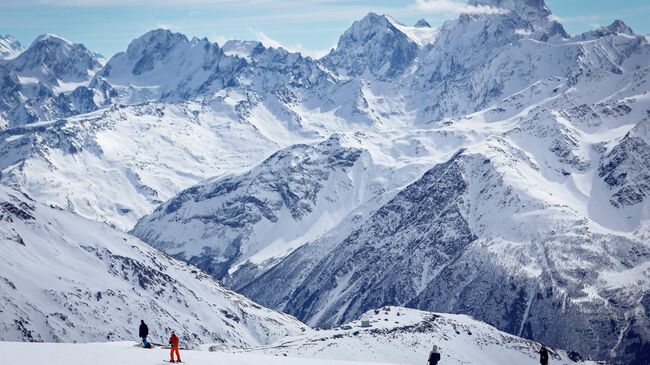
(173, 341)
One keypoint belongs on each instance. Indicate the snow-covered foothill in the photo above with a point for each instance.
(68, 279)
(405, 336)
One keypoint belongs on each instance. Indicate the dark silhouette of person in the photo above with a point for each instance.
(434, 356)
(543, 355)
(143, 333)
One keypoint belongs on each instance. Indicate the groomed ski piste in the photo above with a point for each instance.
(124, 353)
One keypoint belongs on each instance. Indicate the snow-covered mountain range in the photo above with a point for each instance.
(68, 279)
(494, 166)
(48, 80)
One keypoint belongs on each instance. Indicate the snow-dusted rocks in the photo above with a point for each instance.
(200, 68)
(46, 81)
(67, 279)
(472, 237)
(533, 11)
(57, 62)
(241, 49)
(626, 170)
(373, 45)
(162, 65)
(9, 46)
(229, 221)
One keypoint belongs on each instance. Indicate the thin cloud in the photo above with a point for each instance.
(167, 26)
(451, 6)
(220, 39)
(267, 41)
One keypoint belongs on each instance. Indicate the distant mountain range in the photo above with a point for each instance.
(495, 166)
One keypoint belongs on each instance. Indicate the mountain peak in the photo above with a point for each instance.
(515, 5)
(156, 38)
(51, 59)
(9, 46)
(153, 46)
(372, 16)
(375, 44)
(619, 26)
(422, 24)
(241, 49)
(49, 37)
(536, 12)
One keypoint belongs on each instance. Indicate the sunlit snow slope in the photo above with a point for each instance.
(67, 279)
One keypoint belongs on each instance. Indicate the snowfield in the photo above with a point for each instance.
(127, 353)
(68, 279)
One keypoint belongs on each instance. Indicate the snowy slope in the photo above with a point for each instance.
(230, 223)
(395, 336)
(124, 353)
(117, 165)
(405, 336)
(67, 279)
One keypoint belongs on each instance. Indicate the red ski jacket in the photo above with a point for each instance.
(173, 340)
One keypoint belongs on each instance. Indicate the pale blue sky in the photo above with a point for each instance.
(311, 26)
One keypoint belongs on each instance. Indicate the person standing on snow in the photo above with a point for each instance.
(173, 341)
(543, 355)
(434, 356)
(143, 333)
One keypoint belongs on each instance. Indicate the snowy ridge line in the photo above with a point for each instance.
(63, 277)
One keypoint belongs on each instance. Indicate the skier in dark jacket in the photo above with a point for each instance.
(143, 333)
(434, 356)
(543, 355)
